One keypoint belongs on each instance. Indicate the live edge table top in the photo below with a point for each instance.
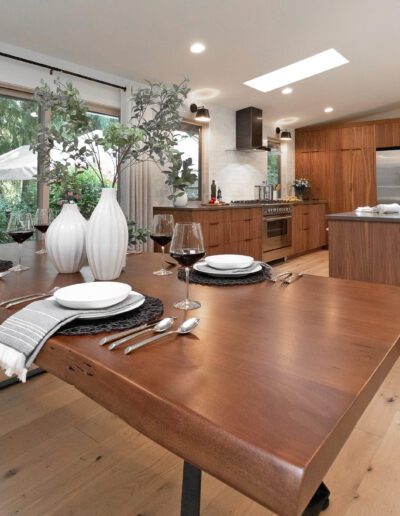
(265, 392)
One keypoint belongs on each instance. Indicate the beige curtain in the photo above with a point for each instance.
(135, 182)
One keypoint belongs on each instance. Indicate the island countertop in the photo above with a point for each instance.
(353, 216)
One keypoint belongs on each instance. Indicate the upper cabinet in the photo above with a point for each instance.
(345, 138)
(387, 133)
(310, 141)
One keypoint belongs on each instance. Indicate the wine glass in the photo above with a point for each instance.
(187, 247)
(20, 228)
(161, 232)
(42, 220)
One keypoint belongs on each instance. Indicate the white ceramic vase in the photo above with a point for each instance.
(65, 239)
(181, 201)
(107, 237)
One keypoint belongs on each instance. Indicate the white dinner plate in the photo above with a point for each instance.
(229, 261)
(206, 269)
(136, 298)
(97, 294)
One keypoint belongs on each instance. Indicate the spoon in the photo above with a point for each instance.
(163, 325)
(185, 328)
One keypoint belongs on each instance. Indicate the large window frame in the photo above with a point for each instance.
(202, 159)
(20, 93)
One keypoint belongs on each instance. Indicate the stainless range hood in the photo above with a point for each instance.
(249, 129)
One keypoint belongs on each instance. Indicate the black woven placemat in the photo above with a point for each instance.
(204, 279)
(150, 310)
(5, 265)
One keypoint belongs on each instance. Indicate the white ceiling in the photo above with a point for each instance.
(150, 39)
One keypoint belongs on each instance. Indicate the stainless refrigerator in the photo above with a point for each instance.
(388, 175)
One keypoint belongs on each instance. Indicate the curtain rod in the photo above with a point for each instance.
(56, 69)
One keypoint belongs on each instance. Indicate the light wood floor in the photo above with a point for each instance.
(61, 454)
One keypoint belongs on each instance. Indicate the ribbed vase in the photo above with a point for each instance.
(65, 240)
(107, 237)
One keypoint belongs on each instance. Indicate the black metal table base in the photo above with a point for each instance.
(12, 381)
(191, 493)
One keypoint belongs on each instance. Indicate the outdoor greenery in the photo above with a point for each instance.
(18, 123)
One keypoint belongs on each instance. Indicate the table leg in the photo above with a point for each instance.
(191, 490)
(319, 502)
(12, 381)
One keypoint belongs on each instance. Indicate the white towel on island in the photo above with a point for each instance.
(389, 208)
(367, 209)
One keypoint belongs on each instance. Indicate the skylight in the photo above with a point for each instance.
(308, 67)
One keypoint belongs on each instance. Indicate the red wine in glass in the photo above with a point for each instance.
(187, 248)
(187, 257)
(161, 232)
(42, 220)
(20, 228)
(42, 227)
(20, 236)
(161, 240)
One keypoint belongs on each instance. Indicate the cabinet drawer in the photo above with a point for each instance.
(249, 247)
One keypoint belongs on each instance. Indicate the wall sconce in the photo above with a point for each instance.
(284, 134)
(201, 113)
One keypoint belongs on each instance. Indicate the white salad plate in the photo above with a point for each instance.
(206, 269)
(229, 261)
(94, 295)
(136, 299)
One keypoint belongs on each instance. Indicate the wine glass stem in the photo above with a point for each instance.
(163, 257)
(19, 254)
(187, 271)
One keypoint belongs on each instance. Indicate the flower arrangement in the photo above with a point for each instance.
(301, 185)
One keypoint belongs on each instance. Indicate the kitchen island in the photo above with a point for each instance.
(243, 228)
(365, 246)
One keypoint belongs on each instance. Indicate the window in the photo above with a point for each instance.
(190, 136)
(87, 184)
(18, 188)
(274, 164)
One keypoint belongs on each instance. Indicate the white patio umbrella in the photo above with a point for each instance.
(18, 164)
(21, 163)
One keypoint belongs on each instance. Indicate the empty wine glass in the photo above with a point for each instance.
(20, 228)
(187, 247)
(42, 220)
(161, 232)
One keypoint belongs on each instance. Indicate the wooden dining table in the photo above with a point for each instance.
(262, 395)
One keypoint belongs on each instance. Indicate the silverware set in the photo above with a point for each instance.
(286, 278)
(161, 326)
(8, 303)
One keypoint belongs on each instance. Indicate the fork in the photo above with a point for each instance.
(8, 303)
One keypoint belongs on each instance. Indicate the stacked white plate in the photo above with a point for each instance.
(228, 265)
(98, 295)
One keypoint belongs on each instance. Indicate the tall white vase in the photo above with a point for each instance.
(65, 239)
(107, 237)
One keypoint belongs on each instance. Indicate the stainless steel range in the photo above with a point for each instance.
(277, 228)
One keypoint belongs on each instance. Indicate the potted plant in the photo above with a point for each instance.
(301, 186)
(178, 177)
(70, 145)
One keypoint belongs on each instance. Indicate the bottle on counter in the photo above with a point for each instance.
(219, 195)
(213, 190)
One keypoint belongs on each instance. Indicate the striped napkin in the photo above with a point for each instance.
(24, 334)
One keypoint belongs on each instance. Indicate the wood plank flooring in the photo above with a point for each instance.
(62, 454)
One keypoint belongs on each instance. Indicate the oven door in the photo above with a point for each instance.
(277, 232)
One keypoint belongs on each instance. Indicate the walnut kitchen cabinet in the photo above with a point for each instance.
(387, 133)
(308, 227)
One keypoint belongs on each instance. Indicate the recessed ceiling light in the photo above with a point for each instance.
(286, 91)
(197, 48)
(328, 109)
(297, 71)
